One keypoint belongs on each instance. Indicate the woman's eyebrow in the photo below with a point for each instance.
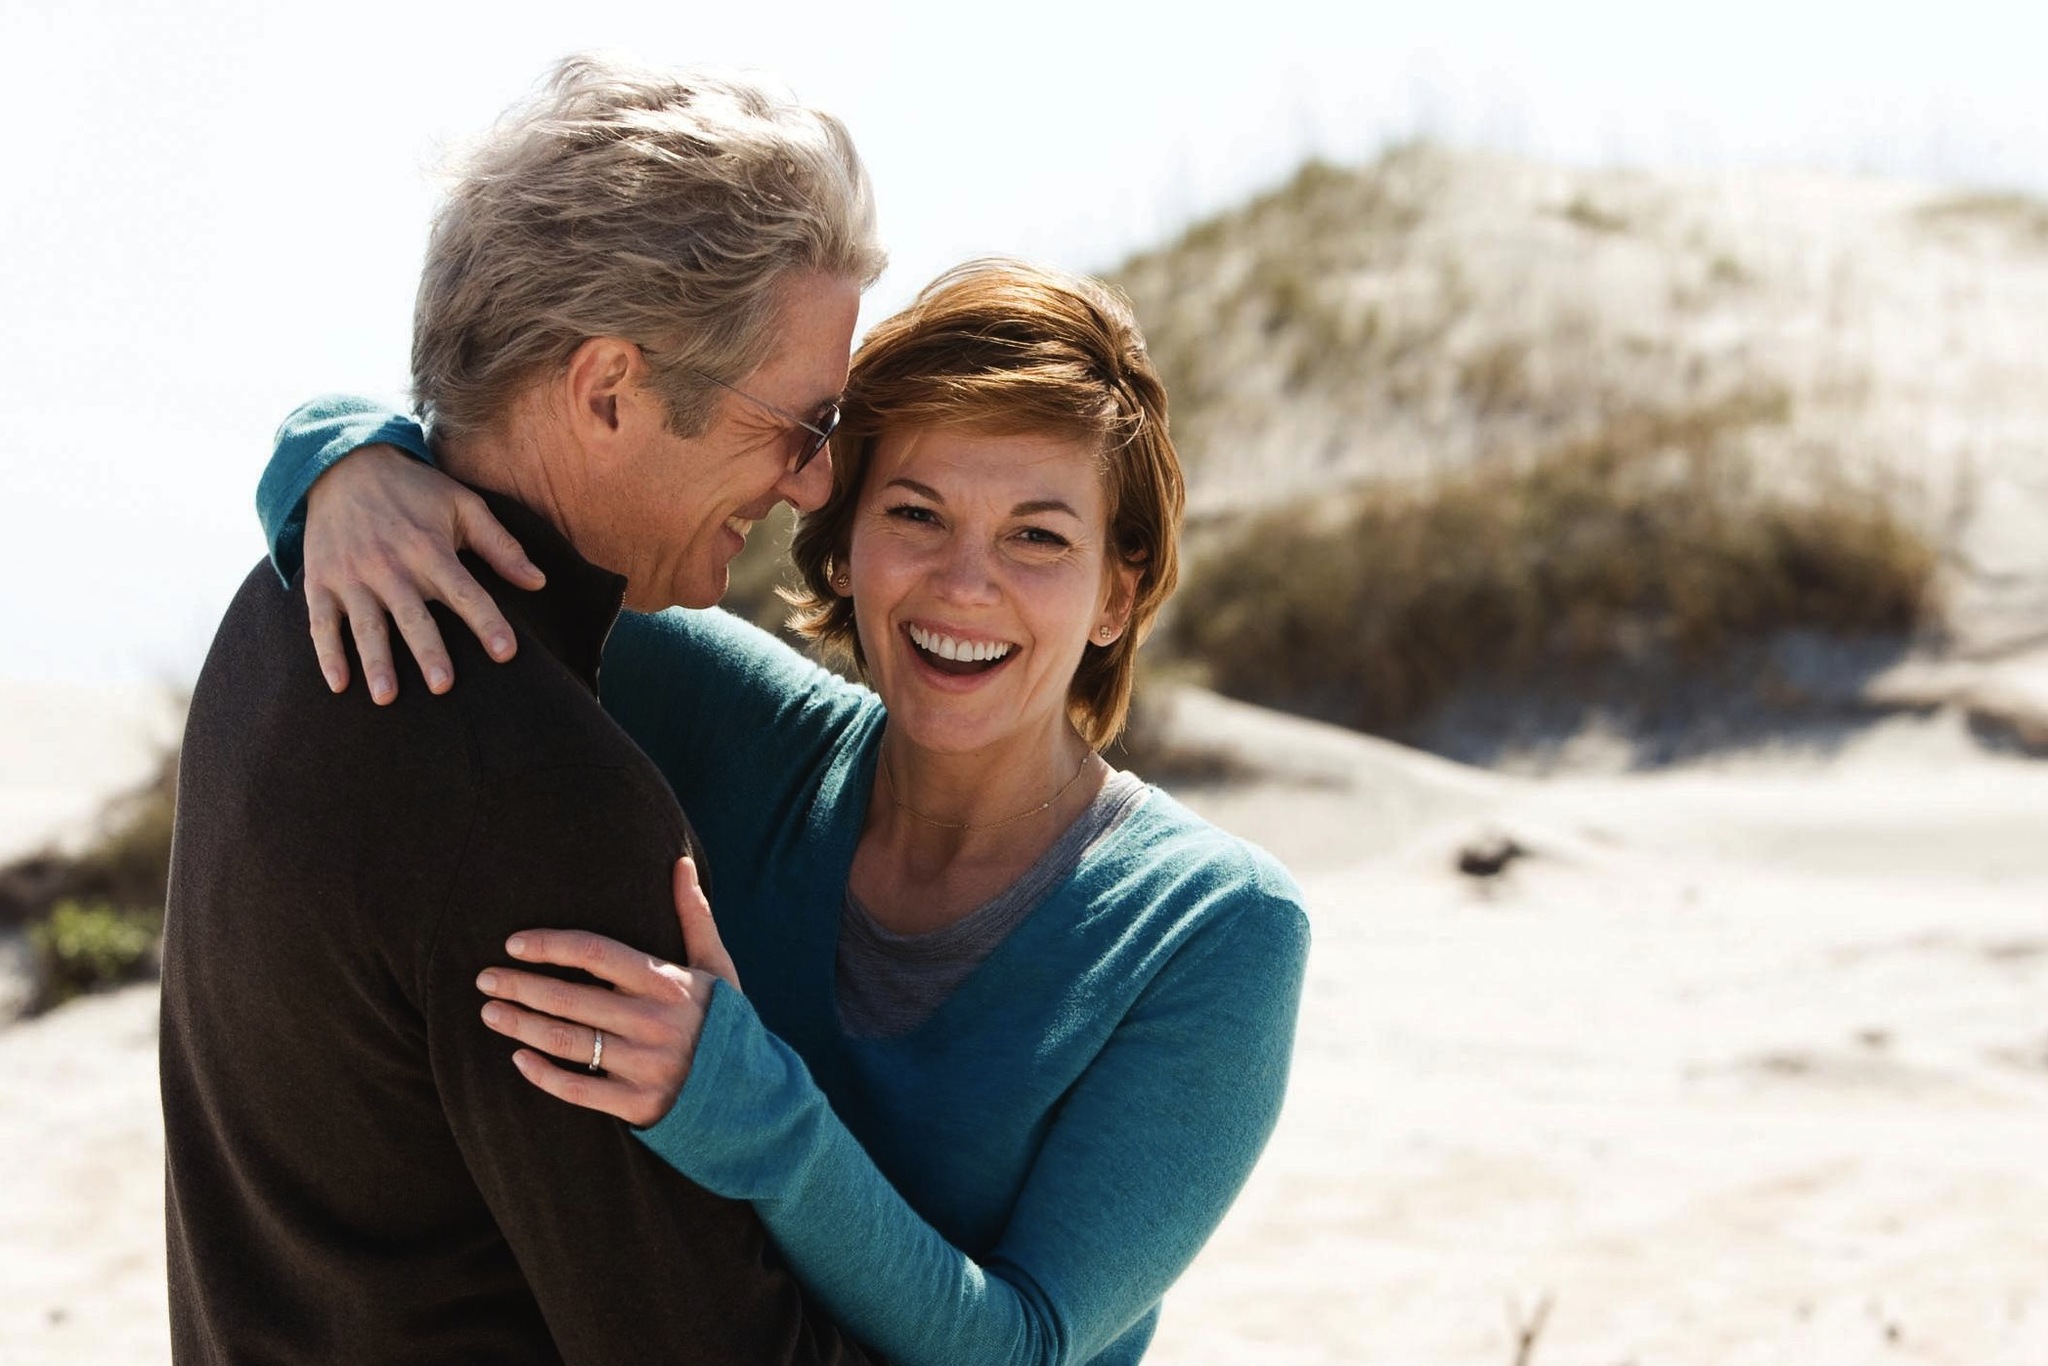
(1038, 505)
(921, 490)
(1030, 508)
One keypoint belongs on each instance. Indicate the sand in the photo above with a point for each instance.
(1747, 1062)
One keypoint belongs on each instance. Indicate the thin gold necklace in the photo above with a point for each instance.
(889, 781)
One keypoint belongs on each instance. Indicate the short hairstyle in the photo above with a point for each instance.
(667, 209)
(1005, 348)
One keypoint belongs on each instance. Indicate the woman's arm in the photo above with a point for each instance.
(378, 534)
(1149, 1148)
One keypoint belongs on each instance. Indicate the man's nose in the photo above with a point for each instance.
(807, 489)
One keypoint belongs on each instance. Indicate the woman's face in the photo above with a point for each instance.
(980, 572)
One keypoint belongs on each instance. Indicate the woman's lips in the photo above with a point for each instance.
(957, 656)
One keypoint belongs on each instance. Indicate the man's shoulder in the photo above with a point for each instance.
(529, 709)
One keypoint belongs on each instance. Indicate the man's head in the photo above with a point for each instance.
(619, 255)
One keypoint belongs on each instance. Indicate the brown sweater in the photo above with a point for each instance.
(356, 1172)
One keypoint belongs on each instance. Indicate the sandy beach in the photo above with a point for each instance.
(1745, 1062)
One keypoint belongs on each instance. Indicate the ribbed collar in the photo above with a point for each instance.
(573, 615)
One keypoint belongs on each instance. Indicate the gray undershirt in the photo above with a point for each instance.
(889, 983)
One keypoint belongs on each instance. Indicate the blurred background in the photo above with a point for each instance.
(1617, 582)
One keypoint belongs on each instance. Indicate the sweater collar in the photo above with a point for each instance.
(571, 616)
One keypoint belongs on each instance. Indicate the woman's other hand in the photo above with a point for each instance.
(382, 532)
(651, 1019)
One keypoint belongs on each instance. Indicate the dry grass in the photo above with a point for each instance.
(1653, 537)
(1593, 218)
(2022, 216)
(126, 864)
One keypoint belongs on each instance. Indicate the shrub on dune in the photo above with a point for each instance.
(1655, 534)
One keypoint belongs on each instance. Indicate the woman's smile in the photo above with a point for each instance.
(957, 655)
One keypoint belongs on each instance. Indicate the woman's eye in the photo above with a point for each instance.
(912, 512)
(1040, 536)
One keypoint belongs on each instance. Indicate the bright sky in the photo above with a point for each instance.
(215, 209)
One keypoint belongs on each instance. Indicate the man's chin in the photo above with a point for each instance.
(704, 594)
(698, 594)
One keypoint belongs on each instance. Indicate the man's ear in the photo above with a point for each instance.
(601, 377)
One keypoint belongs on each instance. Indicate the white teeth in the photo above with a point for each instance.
(945, 647)
(739, 526)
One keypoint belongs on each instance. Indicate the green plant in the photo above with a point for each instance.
(83, 946)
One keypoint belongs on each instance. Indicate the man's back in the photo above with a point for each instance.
(356, 1171)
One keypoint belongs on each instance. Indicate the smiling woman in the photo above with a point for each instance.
(1015, 1025)
(981, 577)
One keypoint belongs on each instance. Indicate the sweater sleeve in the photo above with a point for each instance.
(627, 1261)
(736, 720)
(308, 443)
(1147, 1152)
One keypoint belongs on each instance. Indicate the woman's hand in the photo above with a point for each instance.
(382, 531)
(651, 1021)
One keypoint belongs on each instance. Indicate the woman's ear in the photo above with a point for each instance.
(842, 577)
(1119, 597)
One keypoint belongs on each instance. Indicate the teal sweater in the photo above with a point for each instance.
(1022, 1177)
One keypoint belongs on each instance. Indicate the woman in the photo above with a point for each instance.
(1015, 1025)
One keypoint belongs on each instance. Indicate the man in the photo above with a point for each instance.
(632, 324)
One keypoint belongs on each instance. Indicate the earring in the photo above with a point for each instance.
(1106, 634)
(840, 581)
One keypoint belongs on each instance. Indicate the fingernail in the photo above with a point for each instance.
(437, 678)
(380, 688)
(487, 980)
(500, 646)
(333, 680)
(516, 944)
(533, 571)
(495, 1013)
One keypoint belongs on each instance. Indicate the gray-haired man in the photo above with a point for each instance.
(356, 1171)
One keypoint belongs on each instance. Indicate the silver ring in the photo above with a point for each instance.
(596, 1050)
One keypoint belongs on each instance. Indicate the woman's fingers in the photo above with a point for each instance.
(701, 943)
(373, 642)
(323, 618)
(422, 634)
(645, 1058)
(564, 1039)
(382, 536)
(454, 585)
(584, 1006)
(622, 1100)
(478, 530)
(628, 969)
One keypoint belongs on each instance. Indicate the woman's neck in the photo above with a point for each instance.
(987, 790)
(945, 832)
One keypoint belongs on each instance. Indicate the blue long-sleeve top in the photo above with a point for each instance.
(1020, 1178)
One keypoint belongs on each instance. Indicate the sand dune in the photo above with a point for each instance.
(1746, 1062)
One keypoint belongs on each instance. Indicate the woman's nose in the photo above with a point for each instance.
(964, 572)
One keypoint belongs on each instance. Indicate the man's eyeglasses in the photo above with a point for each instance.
(817, 434)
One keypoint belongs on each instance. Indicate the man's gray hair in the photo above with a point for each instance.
(667, 209)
